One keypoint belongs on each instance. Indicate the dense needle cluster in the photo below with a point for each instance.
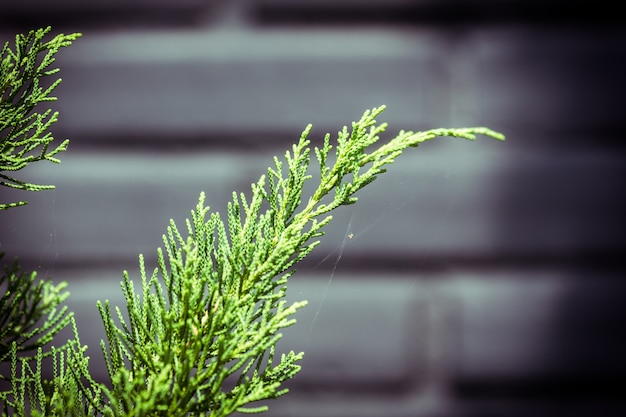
(198, 335)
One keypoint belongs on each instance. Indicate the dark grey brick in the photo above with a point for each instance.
(558, 330)
(70, 12)
(436, 202)
(168, 86)
(561, 81)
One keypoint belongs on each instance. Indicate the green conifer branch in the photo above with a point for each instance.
(30, 315)
(198, 336)
(201, 330)
(32, 395)
(25, 135)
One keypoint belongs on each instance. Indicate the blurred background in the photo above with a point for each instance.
(480, 279)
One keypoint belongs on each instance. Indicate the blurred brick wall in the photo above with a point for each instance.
(483, 279)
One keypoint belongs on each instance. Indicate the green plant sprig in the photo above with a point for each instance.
(31, 312)
(199, 337)
(25, 135)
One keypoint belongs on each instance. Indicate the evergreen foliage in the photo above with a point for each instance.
(24, 133)
(23, 306)
(31, 310)
(199, 331)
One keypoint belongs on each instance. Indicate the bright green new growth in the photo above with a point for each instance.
(24, 134)
(198, 336)
(213, 309)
